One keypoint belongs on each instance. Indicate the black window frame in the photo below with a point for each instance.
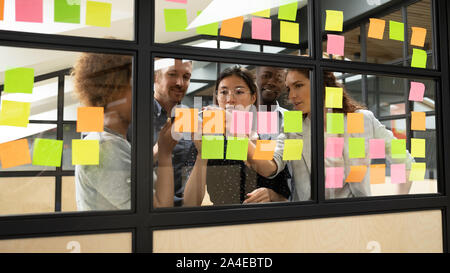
(141, 220)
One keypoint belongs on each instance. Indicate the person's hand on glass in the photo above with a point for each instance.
(166, 142)
(263, 195)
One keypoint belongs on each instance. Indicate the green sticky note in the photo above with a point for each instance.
(335, 123)
(19, 80)
(67, 11)
(419, 58)
(293, 149)
(47, 152)
(175, 20)
(288, 12)
(417, 172)
(98, 14)
(263, 13)
(334, 97)
(396, 31)
(210, 29)
(398, 148)
(289, 32)
(334, 20)
(85, 152)
(15, 113)
(237, 148)
(212, 147)
(293, 121)
(356, 147)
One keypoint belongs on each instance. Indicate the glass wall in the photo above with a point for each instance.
(112, 19)
(279, 27)
(64, 114)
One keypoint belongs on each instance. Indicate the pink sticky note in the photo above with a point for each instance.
(398, 173)
(241, 122)
(334, 178)
(335, 146)
(417, 91)
(335, 44)
(178, 1)
(29, 11)
(267, 122)
(261, 29)
(377, 148)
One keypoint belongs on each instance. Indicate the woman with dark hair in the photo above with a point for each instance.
(298, 85)
(232, 181)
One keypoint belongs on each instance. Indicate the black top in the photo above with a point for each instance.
(229, 181)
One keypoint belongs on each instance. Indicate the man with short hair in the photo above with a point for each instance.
(170, 87)
(270, 83)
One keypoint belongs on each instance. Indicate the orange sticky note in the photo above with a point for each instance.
(377, 173)
(355, 123)
(264, 149)
(418, 36)
(15, 153)
(418, 121)
(186, 120)
(90, 119)
(376, 28)
(213, 122)
(232, 27)
(2, 9)
(356, 174)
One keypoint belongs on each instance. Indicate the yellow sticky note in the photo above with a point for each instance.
(293, 149)
(263, 13)
(418, 121)
(85, 152)
(355, 123)
(98, 14)
(376, 28)
(289, 32)
(15, 113)
(334, 97)
(334, 20)
(418, 36)
(418, 147)
(417, 172)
